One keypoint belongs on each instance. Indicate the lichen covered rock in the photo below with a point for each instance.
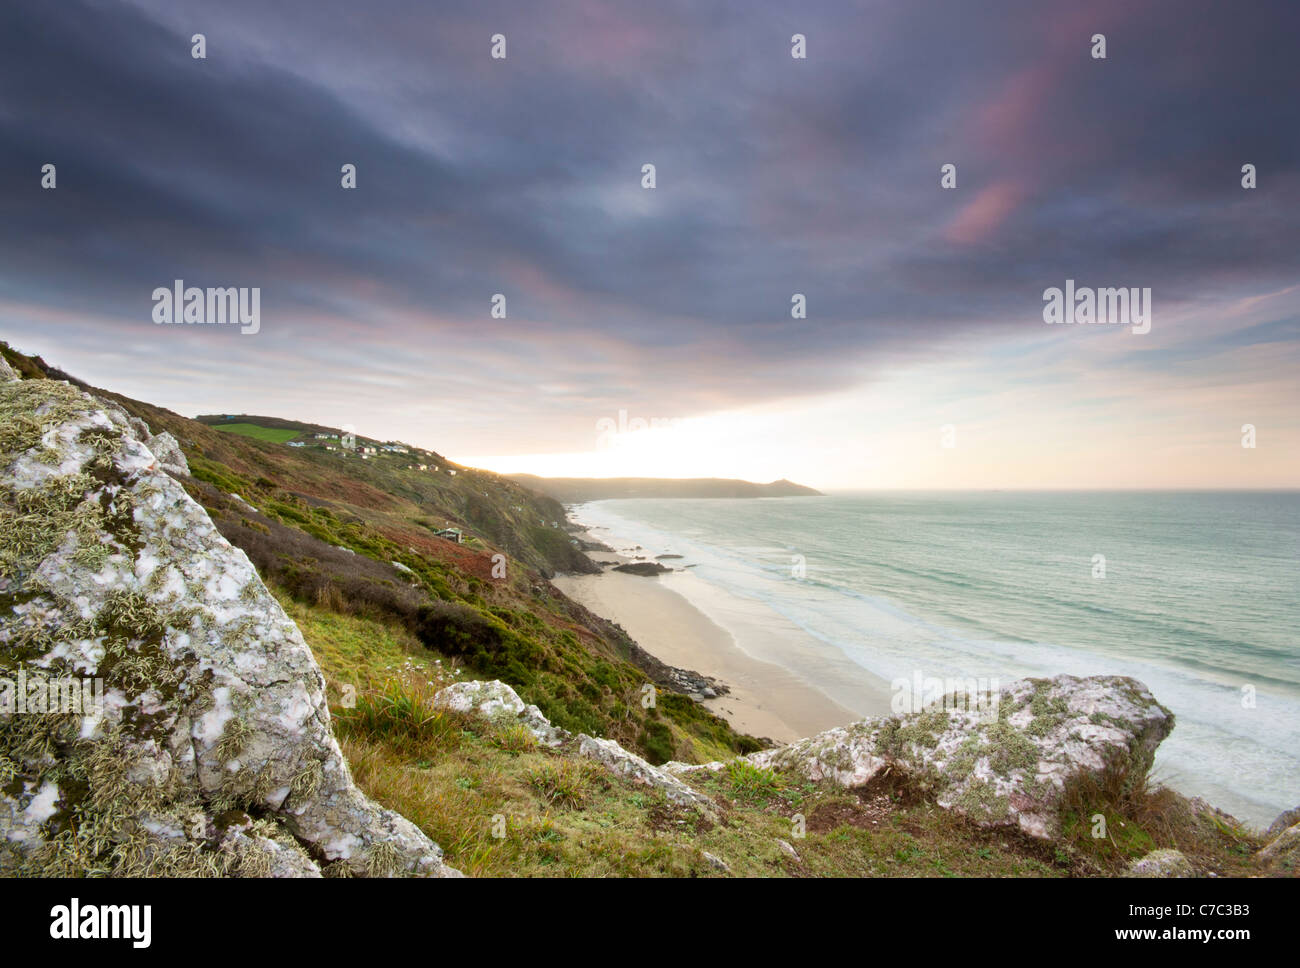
(1003, 763)
(170, 457)
(1288, 818)
(209, 750)
(629, 765)
(1162, 863)
(1283, 851)
(498, 702)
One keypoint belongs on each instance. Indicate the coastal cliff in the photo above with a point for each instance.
(577, 490)
(338, 695)
(206, 746)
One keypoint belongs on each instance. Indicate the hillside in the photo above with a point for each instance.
(576, 490)
(360, 538)
(372, 699)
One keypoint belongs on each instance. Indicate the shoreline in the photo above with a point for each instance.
(773, 650)
(765, 699)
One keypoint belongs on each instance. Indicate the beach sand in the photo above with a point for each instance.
(766, 699)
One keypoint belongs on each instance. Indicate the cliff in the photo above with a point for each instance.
(287, 687)
(577, 490)
(205, 744)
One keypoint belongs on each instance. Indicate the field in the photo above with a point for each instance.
(260, 433)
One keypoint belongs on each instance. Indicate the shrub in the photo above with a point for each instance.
(750, 782)
(516, 738)
(657, 741)
(563, 783)
(402, 717)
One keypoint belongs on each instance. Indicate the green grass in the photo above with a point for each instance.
(753, 784)
(260, 433)
(359, 651)
(566, 783)
(529, 811)
(404, 718)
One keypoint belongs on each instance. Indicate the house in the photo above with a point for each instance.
(451, 534)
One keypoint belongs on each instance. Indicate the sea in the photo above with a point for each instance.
(1196, 594)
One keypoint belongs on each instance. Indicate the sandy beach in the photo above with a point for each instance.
(767, 699)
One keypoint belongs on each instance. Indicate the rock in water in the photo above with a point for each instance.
(647, 569)
(1006, 762)
(211, 751)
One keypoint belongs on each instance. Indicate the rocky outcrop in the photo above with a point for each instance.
(1162, 863)
(170, 457)
(1288, 818)
(1005, 760)
(647, 569)
(163, 446)
(696, 686)
(1283, 850)
(208, 749)
(632, 767)
(497, 702)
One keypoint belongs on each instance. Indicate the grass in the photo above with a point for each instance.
(363, 652)
(753, 784)
(1111, 819)
(403, 718)
(501, 805)
(539, 812)
(272, 434)
(565, 783)
(495, 800)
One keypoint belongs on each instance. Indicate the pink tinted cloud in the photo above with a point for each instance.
(1004, 121)
(983, 216)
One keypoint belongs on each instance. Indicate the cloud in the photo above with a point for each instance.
(522, 177)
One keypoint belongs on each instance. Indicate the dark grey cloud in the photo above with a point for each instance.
(775, 176)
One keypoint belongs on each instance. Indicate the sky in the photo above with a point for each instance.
(649, 330)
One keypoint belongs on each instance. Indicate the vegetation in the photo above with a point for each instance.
(324, 531)
(253, 430)
(535, 811)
